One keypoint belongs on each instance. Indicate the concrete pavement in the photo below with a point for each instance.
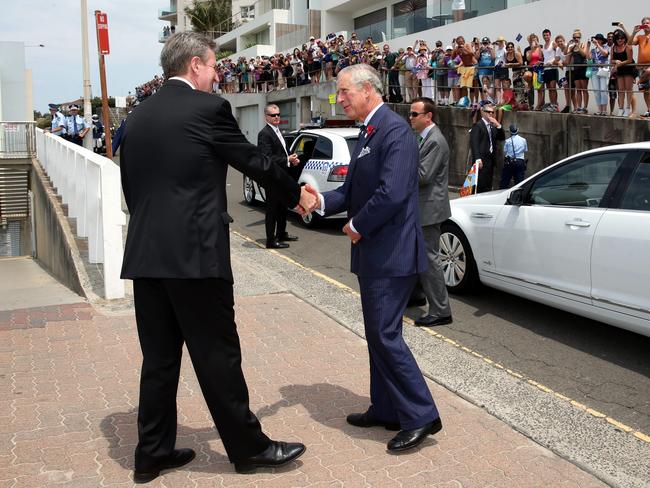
(70, 381)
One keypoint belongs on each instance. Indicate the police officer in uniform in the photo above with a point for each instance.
(514, 166)
(76, 126)
(58, 120)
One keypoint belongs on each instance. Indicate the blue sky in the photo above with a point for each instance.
(57, 68)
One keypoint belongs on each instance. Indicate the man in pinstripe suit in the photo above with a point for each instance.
(380, 195)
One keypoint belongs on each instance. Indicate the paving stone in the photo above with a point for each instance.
(70, 389)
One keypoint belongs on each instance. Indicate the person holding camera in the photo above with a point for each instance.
(576, 55)
(641, 37)
(514, 165)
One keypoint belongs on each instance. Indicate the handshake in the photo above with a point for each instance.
(310, 200)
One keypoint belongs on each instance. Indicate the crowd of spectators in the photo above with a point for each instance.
(149, 88)
(464, 73)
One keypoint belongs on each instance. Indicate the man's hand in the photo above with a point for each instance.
(354, 236)
(492, 121)
(309, 200)
(293, 159)
(480, 163)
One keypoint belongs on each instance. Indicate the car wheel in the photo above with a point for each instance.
(458, 265)
(249, 191)
(310, 220)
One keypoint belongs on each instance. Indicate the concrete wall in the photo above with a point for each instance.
(13, 89)
(54, 239)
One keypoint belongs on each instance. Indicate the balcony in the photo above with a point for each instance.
(17, 140)
(260, 8)
(168, 13)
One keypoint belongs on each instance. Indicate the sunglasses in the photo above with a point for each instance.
(272, 115)
(488, 111)
(415, 114)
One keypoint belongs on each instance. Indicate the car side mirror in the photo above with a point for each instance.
(516, 197)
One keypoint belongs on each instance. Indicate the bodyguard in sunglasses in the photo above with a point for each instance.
(483, 140)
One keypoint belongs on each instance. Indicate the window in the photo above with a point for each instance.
(248, 12)
(323, 149)
(352, 143)
(580, 183)
(304, 148)
(371, 25)
(410, 16)
(637, 195)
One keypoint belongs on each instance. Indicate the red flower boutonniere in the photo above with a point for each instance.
(369, 130)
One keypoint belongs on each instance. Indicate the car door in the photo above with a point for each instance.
(620, 267)
(546, 243)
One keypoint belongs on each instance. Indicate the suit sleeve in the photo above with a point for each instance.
(430, 160)
(396, 180)
(475, 142)
(501, 135)
(265, 144)
(247, 158)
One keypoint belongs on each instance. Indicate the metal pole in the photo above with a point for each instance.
(88, 139)
(105, 110)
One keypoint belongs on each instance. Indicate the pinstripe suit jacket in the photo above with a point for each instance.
(380, 194)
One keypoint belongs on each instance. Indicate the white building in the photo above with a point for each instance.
(174, 13)
(15, 83)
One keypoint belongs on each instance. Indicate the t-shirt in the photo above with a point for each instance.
(644, 49)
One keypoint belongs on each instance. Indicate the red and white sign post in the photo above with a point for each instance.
(101, 25)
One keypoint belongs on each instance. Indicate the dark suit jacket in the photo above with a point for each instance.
(380, 194)
(480, 141)
(270, 145)
(175, 153)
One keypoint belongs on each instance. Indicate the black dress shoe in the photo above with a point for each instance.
(180, 457)
(408, 439)
(287, 237)
(276, 245)
(431, 321)
(365, 420)
(277, 454)
(416, 302)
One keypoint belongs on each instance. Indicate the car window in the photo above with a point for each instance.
(323, 149)
(580, 183)
(637, 195)
(352, 143)
(304, 148)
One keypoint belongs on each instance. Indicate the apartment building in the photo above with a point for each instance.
(174, 14)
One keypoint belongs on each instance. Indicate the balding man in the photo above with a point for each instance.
(271, 143)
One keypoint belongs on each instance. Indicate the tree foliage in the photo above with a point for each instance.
(207, 15)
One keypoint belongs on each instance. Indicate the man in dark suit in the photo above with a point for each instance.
(380, 196)
(433, 204)
(483, 140)
(271, 143)
(178, 255)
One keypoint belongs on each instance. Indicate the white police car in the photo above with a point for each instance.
(324, 158)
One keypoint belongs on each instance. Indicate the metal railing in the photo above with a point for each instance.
(260, 8)
(90, 185)
(17, 140)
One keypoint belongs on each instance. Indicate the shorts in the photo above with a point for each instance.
(612, 87)
(578, 74)
(551, 74)
(466, 76)
(452, 81)
(442, 80)
(501, 73)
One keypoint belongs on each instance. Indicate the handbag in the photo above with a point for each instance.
(603, 72)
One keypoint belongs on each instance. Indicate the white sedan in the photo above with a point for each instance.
(575, 236)
(324, 158)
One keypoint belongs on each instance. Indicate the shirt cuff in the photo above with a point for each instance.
(352, 227)
(321, 211)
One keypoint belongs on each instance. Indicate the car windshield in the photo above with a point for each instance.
(352, 142)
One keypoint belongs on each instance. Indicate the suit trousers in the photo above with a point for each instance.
(199, 313)
(433, 280)
(486, 175)
(398, 392)
(275, 219)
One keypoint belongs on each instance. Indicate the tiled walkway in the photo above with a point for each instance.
(68, 398)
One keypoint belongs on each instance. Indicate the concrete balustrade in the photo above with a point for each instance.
(89, 184)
